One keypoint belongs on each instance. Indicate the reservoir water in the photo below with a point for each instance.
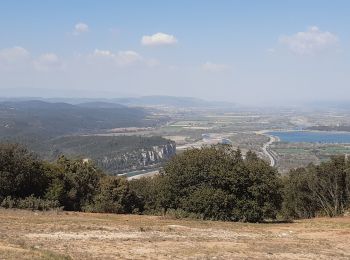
(312, 137)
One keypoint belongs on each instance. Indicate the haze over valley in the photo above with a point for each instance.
(108, 130)
(174, 129)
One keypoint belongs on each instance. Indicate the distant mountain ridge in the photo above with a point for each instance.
(45, 119)
(172, 101)
(156, 100)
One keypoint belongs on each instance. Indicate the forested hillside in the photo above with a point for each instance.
(45, 120)
(54, 129)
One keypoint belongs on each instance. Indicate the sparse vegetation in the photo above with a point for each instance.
(75, 235)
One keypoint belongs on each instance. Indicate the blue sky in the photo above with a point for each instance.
(249, 52)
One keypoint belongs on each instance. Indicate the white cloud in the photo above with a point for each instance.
(48, 61)
(158, 39)
(214, 67)
(128, 57)
(121, 58)
(103, 53)
(80, 28)
(15, 56)
(309, 42)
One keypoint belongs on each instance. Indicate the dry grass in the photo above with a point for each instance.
(71, 235)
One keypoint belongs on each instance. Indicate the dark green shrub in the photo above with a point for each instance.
(73, 183)
(21, 173)
(114, 196)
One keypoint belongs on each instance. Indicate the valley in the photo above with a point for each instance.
(174, 130)
(259, 131)
(139, 135)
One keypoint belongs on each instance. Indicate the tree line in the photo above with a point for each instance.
(215, 183)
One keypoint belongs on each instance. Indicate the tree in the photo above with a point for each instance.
(298, 199)
(27, 182)
(328, 184)
(262, 197)
(115, 196)
(153, 192)
(217, 183)
(318, 190)
(21, 173)
(74, 183)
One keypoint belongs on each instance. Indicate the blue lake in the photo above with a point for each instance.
(312, 137)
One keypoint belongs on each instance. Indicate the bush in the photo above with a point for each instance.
(30, 202)
(152, 193)
(114, 196)
(180, 213)
(73, 183)
(210, 203)
(8, 203)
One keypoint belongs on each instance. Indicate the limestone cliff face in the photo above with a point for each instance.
(158, 154)
(139, 158)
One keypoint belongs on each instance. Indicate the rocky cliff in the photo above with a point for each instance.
(138, 158)
(114, 154)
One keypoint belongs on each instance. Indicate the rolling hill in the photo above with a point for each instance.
(44, 119)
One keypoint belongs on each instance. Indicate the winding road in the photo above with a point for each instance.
(267, 150)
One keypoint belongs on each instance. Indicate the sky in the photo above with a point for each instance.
(243, 51)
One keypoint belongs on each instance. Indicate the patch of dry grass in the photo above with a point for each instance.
(65, 235)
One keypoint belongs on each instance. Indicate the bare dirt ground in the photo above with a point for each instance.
(72, 235)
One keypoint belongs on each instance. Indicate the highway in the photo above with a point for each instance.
(268, 152)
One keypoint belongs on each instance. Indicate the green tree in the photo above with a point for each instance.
(318, 190)
(328, 184)
(74, 183)
(21, 173)
(154, 192)
(115, 196)
(298, 199)
(217, 183)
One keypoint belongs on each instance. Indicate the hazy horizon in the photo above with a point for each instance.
(246, 52)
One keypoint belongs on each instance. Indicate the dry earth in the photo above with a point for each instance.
(72, 235)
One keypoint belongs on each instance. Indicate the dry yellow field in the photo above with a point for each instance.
(72, 235)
